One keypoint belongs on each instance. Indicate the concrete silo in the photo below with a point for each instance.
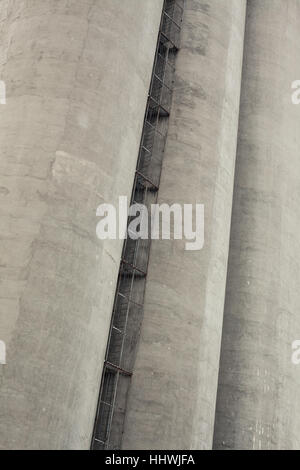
(77, 74)
(258, 397)
(172, 397)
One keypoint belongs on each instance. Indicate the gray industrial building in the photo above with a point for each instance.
(141, 344)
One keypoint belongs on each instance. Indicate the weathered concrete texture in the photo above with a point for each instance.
(77, 75)
(258, 403)
(172, 397)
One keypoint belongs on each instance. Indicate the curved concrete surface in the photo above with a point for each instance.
(258, 403)
(172, 398)
(77, 74)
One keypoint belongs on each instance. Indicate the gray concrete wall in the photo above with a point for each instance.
(172, 397)
(77, 75)
(258, 399)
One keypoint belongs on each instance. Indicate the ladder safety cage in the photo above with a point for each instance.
(128, 305)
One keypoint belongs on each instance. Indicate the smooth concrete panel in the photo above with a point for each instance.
(258, 404)
(77, 75)
(172, 398)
